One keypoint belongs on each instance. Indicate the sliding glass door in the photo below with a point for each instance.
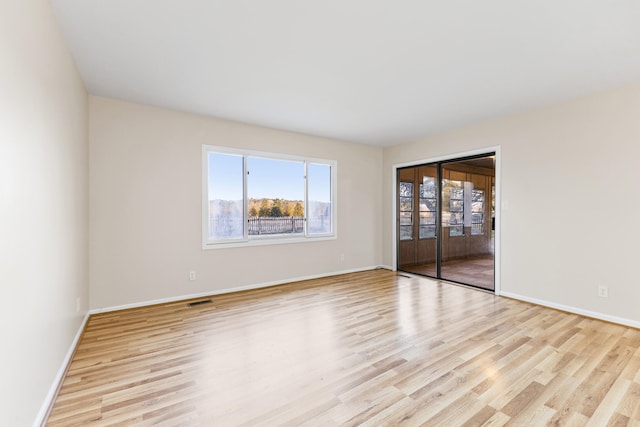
(417, 215)
(445, 220)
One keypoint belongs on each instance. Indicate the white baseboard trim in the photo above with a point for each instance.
(574, 310)
(48, 401)
(225, 291)
(387, 267)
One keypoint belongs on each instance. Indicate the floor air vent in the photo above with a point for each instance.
(196, 303)
(404, 275)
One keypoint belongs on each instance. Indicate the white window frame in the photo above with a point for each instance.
(247, 240)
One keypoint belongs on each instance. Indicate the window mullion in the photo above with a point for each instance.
(245, 200)
(306, 198)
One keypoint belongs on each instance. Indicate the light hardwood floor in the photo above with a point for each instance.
(367, 348)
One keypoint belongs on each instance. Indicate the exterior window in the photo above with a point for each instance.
(226, 210)
(319, 196)
(257, 198)
(428, 208)
(477, 212)
(276, 189)
(406, 210)
(454, 217)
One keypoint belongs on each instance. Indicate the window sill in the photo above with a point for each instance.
(267, 241)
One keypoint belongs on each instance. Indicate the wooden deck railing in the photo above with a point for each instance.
(275, 225)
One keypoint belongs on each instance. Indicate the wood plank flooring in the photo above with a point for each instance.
(371, 348)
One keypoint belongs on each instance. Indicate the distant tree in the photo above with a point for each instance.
(265, 209)
(298, 210)
(253, 212)
(286, 209)
(276, 211)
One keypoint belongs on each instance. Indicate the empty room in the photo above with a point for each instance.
(244, 213)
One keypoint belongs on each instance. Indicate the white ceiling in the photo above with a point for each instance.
(379, 72)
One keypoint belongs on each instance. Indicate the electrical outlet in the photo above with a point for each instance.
(192, 275)
(341, 257)
(603, 292)
(78, 305)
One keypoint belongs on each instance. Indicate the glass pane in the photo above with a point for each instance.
(457, 193)
(467, 244)
(428, 188)
(276, 196)
(427, 205)
(226, 188)
(319, 193)
(477, 229)
(456, 230)
(427, 218)
(406, 232)
(477, 212)
(406, 189)
(477, 200)
(406, 210)
(453, 207)
(427, 231)
(418, 253)
(406, 218)
(455, 218)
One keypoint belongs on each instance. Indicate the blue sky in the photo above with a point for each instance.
(268, 178)
(319, 182)
(272, 178)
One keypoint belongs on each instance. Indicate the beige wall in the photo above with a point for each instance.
(565, 169)
(43, 206)
(146, 206)
(571, 177)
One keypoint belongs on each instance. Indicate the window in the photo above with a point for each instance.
(256, 198)
(477, 212)
(406, 210)
(226, 210)
(428, 208)
(453, 198)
